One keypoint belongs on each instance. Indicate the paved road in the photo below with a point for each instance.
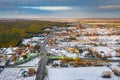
(42, 47)
(43, 60)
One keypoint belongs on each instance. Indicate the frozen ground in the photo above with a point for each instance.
(9, 50)
(32, 62)
(26, 41)
(13, 74)
(114, 58)
(62, 53)
(107, 51)
(82, 73)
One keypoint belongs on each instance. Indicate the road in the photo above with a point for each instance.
(42, 47)
(41, 65)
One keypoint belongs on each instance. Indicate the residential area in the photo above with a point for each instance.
(77, 52)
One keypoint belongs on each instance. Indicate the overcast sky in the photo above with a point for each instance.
(59, 8)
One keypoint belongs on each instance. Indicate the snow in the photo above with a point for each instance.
(32, 62)
(84, 53)
(62, 52)
(2, 49)
(12, 74)
(97, 36)
(81, 73)
(107, 51)
(2, 62)
(26, 41)
(10, 50)
(114, 58)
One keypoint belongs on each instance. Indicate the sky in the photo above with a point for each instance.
(59, 8)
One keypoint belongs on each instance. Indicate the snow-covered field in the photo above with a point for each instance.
(13, 74)
(81, 73)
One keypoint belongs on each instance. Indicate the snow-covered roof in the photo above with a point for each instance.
(107, 51)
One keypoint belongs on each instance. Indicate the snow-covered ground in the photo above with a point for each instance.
(27, 41)
(2, 49)
(13, 74)
(114, 58)
(102, 41)
(32, 62)
(81, 73)
(104, 51)
(10, 50)
(86, 39)
(2, 62)
(61, 52)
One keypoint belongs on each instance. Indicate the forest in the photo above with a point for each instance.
(12, 32)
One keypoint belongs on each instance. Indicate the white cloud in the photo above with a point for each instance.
(109, 7)
(16, 11)
(50, 8)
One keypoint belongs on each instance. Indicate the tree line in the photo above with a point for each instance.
(12, 33)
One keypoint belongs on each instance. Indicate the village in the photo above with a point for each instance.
(21, 63)
(81, 51)
(77, 52)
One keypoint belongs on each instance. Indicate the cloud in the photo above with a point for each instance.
(16, 11)
(7, 0)
(109, 7)
(50, 8)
